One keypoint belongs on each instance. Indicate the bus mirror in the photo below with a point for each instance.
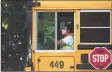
(35, 4)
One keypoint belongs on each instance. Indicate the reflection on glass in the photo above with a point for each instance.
(46, 31)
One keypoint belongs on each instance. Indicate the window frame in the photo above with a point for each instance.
(97, 27)
(36, 36)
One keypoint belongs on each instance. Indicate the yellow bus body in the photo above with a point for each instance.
(69, 58)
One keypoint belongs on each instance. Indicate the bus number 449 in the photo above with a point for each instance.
(57, 64)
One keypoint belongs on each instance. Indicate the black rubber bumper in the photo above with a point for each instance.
(89, 66)
(91, 47)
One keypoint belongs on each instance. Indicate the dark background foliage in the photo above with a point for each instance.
(13, 13)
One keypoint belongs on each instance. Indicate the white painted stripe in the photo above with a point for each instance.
(95, 10)
(94, 27)
(94, 43)
(54, 51)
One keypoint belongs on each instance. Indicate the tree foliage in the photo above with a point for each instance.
(46, 28)
(13, 14)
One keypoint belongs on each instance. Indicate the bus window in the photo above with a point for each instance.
(46, 30)
(95, 27)
(65, 20)
(49, 29)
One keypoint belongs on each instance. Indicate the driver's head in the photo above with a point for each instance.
(68, 28)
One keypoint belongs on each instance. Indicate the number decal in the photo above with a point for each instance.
(61, 64)
(57, 64)
(51, 64)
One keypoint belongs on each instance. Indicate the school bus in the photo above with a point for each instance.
(92, 22)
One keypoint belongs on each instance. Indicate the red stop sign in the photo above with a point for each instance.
(100, 58)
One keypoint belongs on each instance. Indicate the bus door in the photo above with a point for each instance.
(46, 31)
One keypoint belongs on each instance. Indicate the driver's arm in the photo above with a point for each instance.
(60, 43)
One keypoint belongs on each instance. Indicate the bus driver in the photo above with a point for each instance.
(67, 43)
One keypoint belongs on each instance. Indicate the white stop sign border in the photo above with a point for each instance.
(110, 57)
